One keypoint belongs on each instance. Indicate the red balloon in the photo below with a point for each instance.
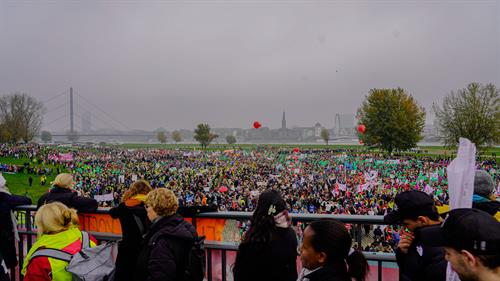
(296, 149)
(257, 125)
(361, 128)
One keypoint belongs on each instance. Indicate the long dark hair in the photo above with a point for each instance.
(262, 225)
(331, 237)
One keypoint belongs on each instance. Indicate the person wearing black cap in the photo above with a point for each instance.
(416, 210)
(471, 239)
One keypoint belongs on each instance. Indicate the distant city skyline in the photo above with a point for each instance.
(346, 121)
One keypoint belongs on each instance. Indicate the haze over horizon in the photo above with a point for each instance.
(174, 64)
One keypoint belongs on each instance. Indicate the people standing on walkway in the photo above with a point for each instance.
(471, 239)
(415, 210)
(134, 223)
(268, 250)
(8, 227)
(326, 254)
(164, 253)
(62, 191)
(57, 227)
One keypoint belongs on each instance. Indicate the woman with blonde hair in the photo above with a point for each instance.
(134, 222)
(62, 191)
(57, 227)
(166, 246)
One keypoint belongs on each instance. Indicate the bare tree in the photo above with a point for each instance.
(162, 137)
(46, 136)
(473, 113)
(231, 139)
(21, 117)
(176, 136)
(325, 135)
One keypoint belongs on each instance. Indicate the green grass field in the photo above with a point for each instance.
(18, 183)
(421, 150)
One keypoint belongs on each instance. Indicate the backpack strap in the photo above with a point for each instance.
(85, 240)
(52, 253)
(139, 223)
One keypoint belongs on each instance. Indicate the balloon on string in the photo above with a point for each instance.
(257, 124)
(361, 128)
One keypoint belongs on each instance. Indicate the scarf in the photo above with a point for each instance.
(135, 200)
(479, 199)
(283, 219)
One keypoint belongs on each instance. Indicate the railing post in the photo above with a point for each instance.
(223, 264)
(359, 236)
(379, 271)
(21, 259)
(209, 264)
(193, 221)
(27, 221)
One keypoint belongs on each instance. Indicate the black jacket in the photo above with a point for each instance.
(7, 240)
(68, 198)
(275, 261)
(165, 250)
(329, 273)
(130, 245)
(421, 262)
(491, 207)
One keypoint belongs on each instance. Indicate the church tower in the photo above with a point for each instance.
(283, 122)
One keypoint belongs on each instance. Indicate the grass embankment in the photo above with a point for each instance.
(19, 184)
(420, 151)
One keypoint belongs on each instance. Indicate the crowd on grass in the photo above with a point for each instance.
(312, 181)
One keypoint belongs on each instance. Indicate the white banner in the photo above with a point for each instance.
(461, 175)
(104, 197)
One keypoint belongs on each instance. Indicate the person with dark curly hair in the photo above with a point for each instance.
(268, 250)
(326, 254)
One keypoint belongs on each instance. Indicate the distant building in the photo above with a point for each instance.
(345, 125)
(317, 130)
(283, 122)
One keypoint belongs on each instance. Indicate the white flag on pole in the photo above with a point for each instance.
(461, 175)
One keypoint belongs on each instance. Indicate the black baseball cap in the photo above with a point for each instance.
(465, 229)
(410, 204)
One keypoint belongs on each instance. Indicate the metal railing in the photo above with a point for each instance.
(26, 229)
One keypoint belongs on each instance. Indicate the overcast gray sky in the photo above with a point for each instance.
(174, 64)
